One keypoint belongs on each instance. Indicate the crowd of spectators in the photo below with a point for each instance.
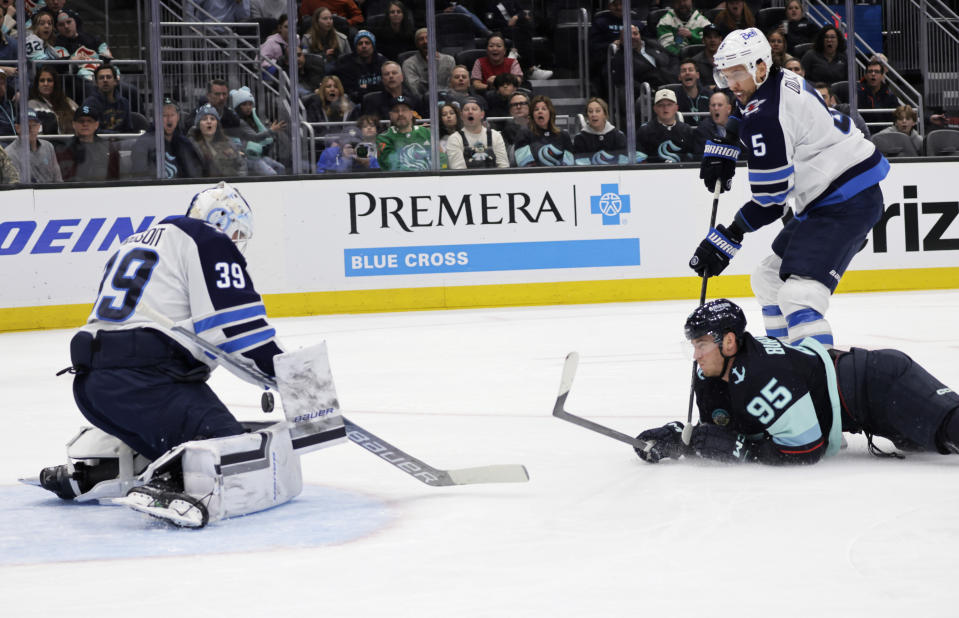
(362, 69)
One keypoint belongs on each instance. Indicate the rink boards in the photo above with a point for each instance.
(421, 241)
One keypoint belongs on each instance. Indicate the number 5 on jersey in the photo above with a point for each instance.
(759, 146)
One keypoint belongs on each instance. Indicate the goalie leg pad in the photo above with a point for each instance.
(236, 475)
(766, 284)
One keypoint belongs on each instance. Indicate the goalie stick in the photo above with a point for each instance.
(421, 471)
(559, 411)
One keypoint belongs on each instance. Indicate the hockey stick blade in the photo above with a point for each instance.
(559, 411)
(425, 473)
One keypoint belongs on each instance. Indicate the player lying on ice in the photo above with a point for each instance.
(143, 387)
(762, 400)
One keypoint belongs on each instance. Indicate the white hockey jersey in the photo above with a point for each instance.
(799, 148)
(193, 274)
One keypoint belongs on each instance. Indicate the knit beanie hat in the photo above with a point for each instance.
(205, 110)
(238, 97)
(364, 33)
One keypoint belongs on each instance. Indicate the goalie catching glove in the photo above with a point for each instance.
(661, 442)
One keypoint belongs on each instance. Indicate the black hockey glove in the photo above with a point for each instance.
(661, 442)
(719, 443)
(719, 163)
(714, 252)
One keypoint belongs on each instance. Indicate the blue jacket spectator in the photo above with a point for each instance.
(347, 154)
(114, 108)
(8, 48)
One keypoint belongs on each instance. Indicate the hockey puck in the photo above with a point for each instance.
(266, 401)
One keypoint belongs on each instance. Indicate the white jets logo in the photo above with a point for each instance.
(753, 106)
(739, 374)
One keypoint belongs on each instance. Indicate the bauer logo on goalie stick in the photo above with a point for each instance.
(314, 414)
(397, 459)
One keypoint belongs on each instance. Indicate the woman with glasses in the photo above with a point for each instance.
(826, 61)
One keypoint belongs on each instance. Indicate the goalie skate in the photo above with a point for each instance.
(178, 509)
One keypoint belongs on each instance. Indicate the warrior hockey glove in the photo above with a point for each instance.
(714, 252)
(719, 163)
(719, 443)
(665, 441)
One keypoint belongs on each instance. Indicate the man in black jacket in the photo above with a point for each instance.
(650, 64)
(180, 157)
(666, 139)
(873, 92)
(360, 71)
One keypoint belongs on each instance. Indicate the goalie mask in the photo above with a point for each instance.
(742, 47)
(225, 209)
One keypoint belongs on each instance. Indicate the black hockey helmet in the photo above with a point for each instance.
(716, 318)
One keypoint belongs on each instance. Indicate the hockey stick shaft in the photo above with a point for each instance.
(702, 299)
(559, 411)
(423, 472)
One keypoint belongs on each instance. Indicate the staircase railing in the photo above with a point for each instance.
(923, 36)
(194, 52)
(818, 11)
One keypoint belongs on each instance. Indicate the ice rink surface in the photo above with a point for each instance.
(596, 531)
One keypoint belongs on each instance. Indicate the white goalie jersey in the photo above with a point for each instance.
(799, 148)
(193, 274)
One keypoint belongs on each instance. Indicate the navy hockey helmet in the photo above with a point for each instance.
(225, 209)
(716, 318)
